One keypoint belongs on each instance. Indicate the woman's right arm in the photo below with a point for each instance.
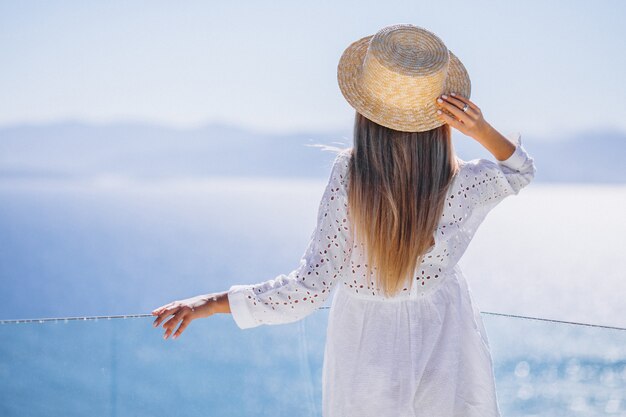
(488, 181)
(499, 146)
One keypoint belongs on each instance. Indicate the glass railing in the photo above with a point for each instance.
(121, 366)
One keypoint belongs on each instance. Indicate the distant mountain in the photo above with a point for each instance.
(65, 150)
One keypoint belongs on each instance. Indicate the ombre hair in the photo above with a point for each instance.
(397, 188)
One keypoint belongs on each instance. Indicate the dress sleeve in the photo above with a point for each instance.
(291, 297)
(490, 182)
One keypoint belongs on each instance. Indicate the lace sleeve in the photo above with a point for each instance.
(293, 296)
(489, 182)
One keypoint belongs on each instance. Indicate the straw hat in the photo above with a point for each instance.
(395, 76)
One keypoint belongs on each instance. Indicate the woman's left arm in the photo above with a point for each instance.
(291, 297)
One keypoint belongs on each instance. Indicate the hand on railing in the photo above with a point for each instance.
(185, 311)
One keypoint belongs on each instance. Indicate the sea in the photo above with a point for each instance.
(82, 260)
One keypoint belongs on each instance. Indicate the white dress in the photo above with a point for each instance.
(423, 352)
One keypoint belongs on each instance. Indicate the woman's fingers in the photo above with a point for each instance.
(165, 314)
(460, 101)
(171, 324)
(467, 122)
(159, 310)
(183, 316)
(182, 327)
(183, 312)
(450, 120)
(452, 106)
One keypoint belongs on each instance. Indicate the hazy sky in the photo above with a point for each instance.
(539, 67)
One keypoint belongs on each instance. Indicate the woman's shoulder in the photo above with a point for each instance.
(342, 156)
(344, 152)
(465, 167)
(470, 172)
(340, 166)
(476, 166)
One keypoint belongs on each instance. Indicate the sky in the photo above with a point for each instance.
(544, 68)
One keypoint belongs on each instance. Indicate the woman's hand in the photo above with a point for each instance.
(184, 312)
(470, 122)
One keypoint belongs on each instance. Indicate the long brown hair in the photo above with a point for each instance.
(397, 189)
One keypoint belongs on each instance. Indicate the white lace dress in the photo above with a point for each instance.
(423, 352)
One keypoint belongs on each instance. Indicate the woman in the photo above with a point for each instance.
(404, 337)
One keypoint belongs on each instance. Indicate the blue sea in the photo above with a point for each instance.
(114, 246)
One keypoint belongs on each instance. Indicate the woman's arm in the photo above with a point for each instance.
(292, 296)
(472, 123)
(484, 181)
(287, 297)
(221, 303)
(499, 146)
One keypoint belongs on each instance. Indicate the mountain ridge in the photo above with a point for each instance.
(69, 149)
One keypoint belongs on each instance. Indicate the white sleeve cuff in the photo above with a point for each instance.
(518, 157)
(239, 308)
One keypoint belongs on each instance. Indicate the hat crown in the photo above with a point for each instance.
(395, 76)
(405, 63)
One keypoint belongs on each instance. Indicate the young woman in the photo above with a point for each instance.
(404, 337)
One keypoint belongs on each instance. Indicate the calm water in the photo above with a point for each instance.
(114, 247)
(124, 368)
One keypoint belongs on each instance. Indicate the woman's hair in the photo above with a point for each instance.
(396, 195)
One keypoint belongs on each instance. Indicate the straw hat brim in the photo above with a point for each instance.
(404, 119)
